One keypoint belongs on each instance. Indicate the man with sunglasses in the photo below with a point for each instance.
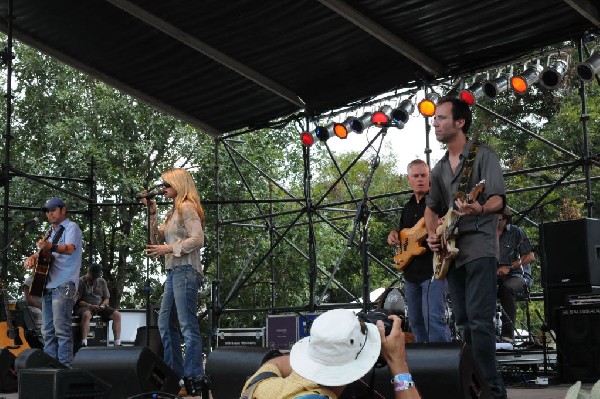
(514, 270)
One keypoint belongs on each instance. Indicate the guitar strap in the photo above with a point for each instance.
(58, 234)
(467, 171)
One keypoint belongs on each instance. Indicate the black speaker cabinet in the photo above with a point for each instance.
(228, 368)
(61, 384)
(578, 341)
(557, 297)
(439, 370)
(571, 253)
(130, 370)
(155, 344)
(35, 359)
(8, 375)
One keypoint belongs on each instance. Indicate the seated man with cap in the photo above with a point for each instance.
(340, 350)
(93, 300)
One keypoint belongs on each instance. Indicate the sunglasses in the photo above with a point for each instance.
(166, 185)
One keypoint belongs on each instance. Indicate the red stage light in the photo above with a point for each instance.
(467, 97)
(307, 138)
(379, 117)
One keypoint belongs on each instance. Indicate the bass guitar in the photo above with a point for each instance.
(41, 269)
(411, 239)
(448, 235)
(11, 337)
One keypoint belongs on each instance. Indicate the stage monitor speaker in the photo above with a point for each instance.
(61, 384)
(439, 370)
(8, 375)
(578, 341)
(155, 343)
(228, 368)
(35, 359)
(130, 370)
(571, 253)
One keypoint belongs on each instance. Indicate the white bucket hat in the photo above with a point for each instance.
(339, 350)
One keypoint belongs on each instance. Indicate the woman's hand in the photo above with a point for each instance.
(155, 250)
(150, 203)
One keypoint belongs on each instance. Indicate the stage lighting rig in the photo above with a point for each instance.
(308, 138)
(522, 82)
(323, 133)
(553, 75)
(589, 68)
(403, 112)
(493, 87)
(472, 94)
(427, 105)
(381, 116)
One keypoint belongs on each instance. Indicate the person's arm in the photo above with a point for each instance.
(432, 222)
(282, 363)
(393, 238)
(73, 239)
(393, 350)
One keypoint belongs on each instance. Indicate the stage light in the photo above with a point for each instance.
(492, 88)
(381, 116)
(427, 105)
(340, 130)
(403, 112)
(323, 133)
(552, 76)
(589, 68)
(308, 138)
(354, 124)
(522, 82)
(472, 94)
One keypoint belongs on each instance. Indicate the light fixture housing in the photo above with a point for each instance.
(340, 130)
(427, 105)
(403, 112)
(308, 138)
(381, 116)
(589, 68)
(493, 87)
(472, 94)
(323, 133)
(522, 82)
(552, 76)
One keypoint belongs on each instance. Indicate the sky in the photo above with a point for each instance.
(405, 144)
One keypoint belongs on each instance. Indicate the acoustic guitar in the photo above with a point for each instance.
(448, 235)
(11, 337)
(41, 269)
(411, 240)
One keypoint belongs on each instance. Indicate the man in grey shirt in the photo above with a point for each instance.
(472, 274)
(93, 300)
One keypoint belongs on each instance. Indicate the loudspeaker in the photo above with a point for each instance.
(571, 253)
(439, 370)
(8, 375)
(556, 297)
(155, 343)
(228, 368)
(578, 341)
(129, 369)
(61, 383)
(36, 358)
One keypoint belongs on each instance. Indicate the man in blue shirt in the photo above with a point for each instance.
(65, 242)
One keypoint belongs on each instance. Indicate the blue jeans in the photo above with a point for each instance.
(427, 310)
(57, 308)
(473, 294)
(179, 307)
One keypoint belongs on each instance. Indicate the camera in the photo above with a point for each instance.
(373, 316)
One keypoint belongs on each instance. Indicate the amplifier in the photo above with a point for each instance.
(583, 299)
(98, 335)
(236, 337)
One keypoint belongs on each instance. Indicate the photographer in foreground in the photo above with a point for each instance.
(340, 350)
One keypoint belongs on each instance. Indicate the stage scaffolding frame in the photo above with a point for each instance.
(311, 209)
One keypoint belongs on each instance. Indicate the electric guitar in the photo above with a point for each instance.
(41, 269)
(410, 246)
(11, 337)
(448, 235)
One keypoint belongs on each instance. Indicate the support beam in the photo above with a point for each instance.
(587, 9)
(198, 45)
(385, 36)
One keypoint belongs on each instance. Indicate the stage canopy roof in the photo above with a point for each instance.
(228, 65)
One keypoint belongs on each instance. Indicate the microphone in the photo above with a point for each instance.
(396, 124)
(30, 221)
(151, 194)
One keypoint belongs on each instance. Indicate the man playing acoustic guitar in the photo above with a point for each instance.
(64, 242)
(472, 273)
(426, 298)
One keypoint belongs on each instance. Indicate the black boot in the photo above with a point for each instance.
(195, 386)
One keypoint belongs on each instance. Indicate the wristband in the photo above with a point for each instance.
(54, 248)
(402, 382)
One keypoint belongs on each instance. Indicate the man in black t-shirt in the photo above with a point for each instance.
(426, 298)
